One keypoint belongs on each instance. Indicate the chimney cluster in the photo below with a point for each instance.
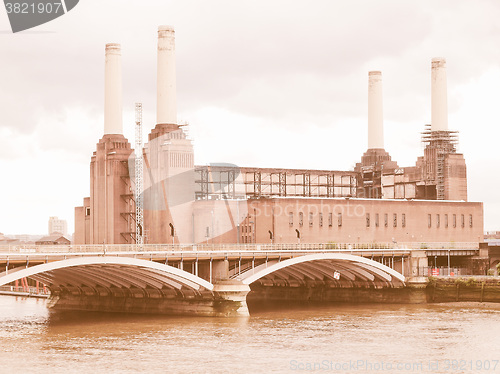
(166, 106)
(439, 103)
(166, 100)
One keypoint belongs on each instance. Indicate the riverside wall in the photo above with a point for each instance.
(418, 291)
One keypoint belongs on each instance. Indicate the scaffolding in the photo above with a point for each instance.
(438, 144)
(139, 203)
(128, 199)
(216, 182)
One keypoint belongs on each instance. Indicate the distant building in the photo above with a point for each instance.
(492, 235)
(59, 226)
(10, 241)
(56, 239)
(24, 238)
(21, 239)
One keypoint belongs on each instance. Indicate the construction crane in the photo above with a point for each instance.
(139, 198)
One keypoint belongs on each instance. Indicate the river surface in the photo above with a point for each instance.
(438, 338)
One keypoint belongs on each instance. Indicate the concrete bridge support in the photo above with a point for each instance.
(227, 300)
(231, 298)
(230, 294)
(418, 263)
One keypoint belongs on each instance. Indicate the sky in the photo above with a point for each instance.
(260, 83)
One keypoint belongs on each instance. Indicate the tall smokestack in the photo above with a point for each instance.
(166, 102)
(439, 96)
(375, 115)
(113, 90)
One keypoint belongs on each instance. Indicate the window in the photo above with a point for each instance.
(403, 220)
(438, 221)
(429, 220)
(395, 220)
(330, 219)
(87, 211)
(321, 220)
(446, 220)
(386, 220)
(376, 219)
(367, 219)
(301, 219)
(339, 219)
(470, 220)
(311, 219)
(454, 220)
(462, 220)
(290, 219)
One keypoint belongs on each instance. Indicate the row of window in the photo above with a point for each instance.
(386, 220)
(453, 220)
(311, 219)
(377, 222)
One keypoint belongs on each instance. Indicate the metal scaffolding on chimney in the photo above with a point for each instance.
(139, 202)
(440, 143)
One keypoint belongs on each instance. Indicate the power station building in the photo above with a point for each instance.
(378, 201)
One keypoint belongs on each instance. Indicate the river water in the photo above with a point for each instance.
(439, 338)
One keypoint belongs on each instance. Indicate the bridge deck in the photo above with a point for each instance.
(236, 247)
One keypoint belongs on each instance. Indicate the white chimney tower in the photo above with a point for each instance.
(375, 115)
(439, 96)
(166, 102)
(113, 90)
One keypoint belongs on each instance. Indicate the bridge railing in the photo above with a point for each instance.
(24, 291)
(104, 248)
(430, 271)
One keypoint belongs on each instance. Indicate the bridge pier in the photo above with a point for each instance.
(231, 298)
(227, 300)
(229, 295)
(418, 263)
(220, 270)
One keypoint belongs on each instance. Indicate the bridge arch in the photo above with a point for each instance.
(108, 273)
(353, 270)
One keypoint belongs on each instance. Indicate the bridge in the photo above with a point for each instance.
(212, 280)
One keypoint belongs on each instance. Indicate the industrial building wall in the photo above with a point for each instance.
(362, 221)
(455, 177)
(217, 221)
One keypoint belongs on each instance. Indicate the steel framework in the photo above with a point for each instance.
(139, 204)
(232, 182)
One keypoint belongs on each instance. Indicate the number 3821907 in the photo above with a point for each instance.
(25, 8)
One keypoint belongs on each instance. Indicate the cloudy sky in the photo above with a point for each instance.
(261, 83)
